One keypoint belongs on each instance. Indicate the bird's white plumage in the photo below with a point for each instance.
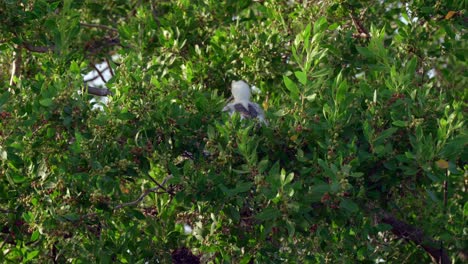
(242, 104)
(240, 91)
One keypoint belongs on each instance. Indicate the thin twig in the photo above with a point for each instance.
(98, 26)
(91, 79)
(152, 179)
(144, 194)
(109, 67)
(363, 32)
(5, 241)
(100, 74)
(446, 191)
(441, 250)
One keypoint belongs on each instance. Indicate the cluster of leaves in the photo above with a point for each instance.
(358, 130)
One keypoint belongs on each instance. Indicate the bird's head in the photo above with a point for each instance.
(240, 90)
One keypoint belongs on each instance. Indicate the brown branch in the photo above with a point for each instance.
(40, 49)
(144, 194)
(100, 73)
(157, 183)
(98, 26)
(95, 46)
(408, 232)
(362, 31)
(91, 79)
(98, 91)
(109, 67)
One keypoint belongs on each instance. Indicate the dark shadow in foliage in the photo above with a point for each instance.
(184, 256)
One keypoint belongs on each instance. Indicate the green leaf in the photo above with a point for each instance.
(74, 67)
(282, 175)
(301, 76)
(349, 205)
(31, 255)
(455, 147)
(262, 166)
(328, 172)
(365, 52)
(28, 217)
(320, 25)
(240, 188)
(384, 135)
(35, 236)
(465, 209)
(124, 115)
(311, 97)
(300, 155)
(234, 213)
(411, 67)
(383, 227)
(292, 87)
(72, 217)
(268, 213)
(211, 132)
(319, 73)
(137, 214)
(46, 102)
(243, 186)
(433, 196)
(3, 154)
(357, 174)
(4, 98)
(291, 228)
(18, 178)
(399, 123)
(246, 259)
(281, 112)
(341, 91)
(318, 190)
(306, 35)
(288, 178)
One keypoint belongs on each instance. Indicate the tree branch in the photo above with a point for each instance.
(99, 72)
(417, 236)
(362, 31)
(98, 91)
(109, 66)
(40, 49)
(98, 26)
(144, 194)
(93, 78)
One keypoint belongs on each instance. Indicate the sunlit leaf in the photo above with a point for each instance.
(301, 76)
(443, 164)
(450, 14)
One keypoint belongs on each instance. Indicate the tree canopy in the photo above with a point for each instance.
(363, 159)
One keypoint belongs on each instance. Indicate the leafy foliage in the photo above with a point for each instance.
(366, 104)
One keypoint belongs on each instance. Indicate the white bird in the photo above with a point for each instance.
(242, 104)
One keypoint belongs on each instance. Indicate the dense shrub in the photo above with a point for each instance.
(363, 160)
